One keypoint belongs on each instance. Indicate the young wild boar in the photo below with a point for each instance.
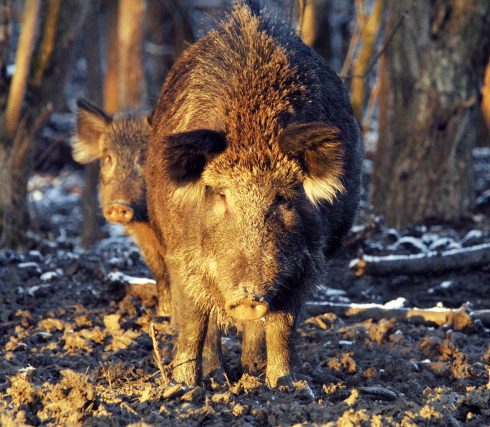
(120, 145)
(255, 160)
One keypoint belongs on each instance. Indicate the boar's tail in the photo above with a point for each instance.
(253, 5)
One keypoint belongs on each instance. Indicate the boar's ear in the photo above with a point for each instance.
(318, 149)
(91, 124)
(187, 153)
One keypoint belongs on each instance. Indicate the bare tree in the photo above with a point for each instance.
(314, 26)
(168, 32)
(483, 138)
(369, 27)
(24, 118)
(130, 40)
(430, 79)
(89, 200)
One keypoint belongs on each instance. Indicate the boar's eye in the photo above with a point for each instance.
(216, 194)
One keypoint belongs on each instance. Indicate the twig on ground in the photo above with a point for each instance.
(156, 351)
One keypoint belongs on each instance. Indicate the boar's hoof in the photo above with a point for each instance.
(247, 309)
(119, 212)
(284, 382)
(185, 373)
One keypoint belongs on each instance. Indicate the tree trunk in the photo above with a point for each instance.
(90, 225)
(48, 74)
(168, 32)
(314, 26)
(130, 37)
(5, 12)
(431, 72)
(111, 79)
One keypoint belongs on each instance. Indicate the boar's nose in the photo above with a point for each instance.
(247, 309)
(119, 212)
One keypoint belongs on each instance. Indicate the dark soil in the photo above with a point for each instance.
(76, 349)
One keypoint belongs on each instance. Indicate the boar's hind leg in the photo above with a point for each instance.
(279, 329)
(253, 342)
(212, 354)
(191, 325)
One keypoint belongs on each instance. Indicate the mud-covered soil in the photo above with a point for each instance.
(75, 345)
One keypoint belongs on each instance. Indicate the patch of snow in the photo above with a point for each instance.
(31, 291)
(358, 228)
(483, 198)
(10, 70)
(331, 292)
(367, 166)
(410, 241)
(345, 342)
(400, 302)
(446, 284)
(481, 152)
(28, 265)
(444, 243)
(473, 234)
(117, 276)
(49, 275)
(353, 263)
(36, 254)
(28, 368)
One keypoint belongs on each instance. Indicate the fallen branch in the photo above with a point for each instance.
(429, 262)
(457, 319)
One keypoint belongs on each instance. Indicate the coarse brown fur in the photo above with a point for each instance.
(255, 160)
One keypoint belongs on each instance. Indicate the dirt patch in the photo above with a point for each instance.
(75, 346)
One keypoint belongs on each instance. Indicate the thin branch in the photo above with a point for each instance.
(48, 40)
(344, 75)
(22, 65)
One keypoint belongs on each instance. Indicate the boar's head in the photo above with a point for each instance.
(258, 210)
(120, 145)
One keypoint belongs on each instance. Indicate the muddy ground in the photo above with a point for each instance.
(75, 347)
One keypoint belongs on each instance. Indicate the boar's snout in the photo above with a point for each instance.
(247, 308)
(119, 212)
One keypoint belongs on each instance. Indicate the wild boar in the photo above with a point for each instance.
(253, 175)
(120, 145)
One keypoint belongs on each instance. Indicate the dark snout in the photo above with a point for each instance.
(247, 308)
(119, 212)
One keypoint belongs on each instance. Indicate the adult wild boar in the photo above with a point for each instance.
(254, 159)
(120, 144)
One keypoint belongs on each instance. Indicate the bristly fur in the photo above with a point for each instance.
(258, 217)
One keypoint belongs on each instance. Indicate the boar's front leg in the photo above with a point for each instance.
(191, 325)
(253, 341)
(279, 330)
(212, 354)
